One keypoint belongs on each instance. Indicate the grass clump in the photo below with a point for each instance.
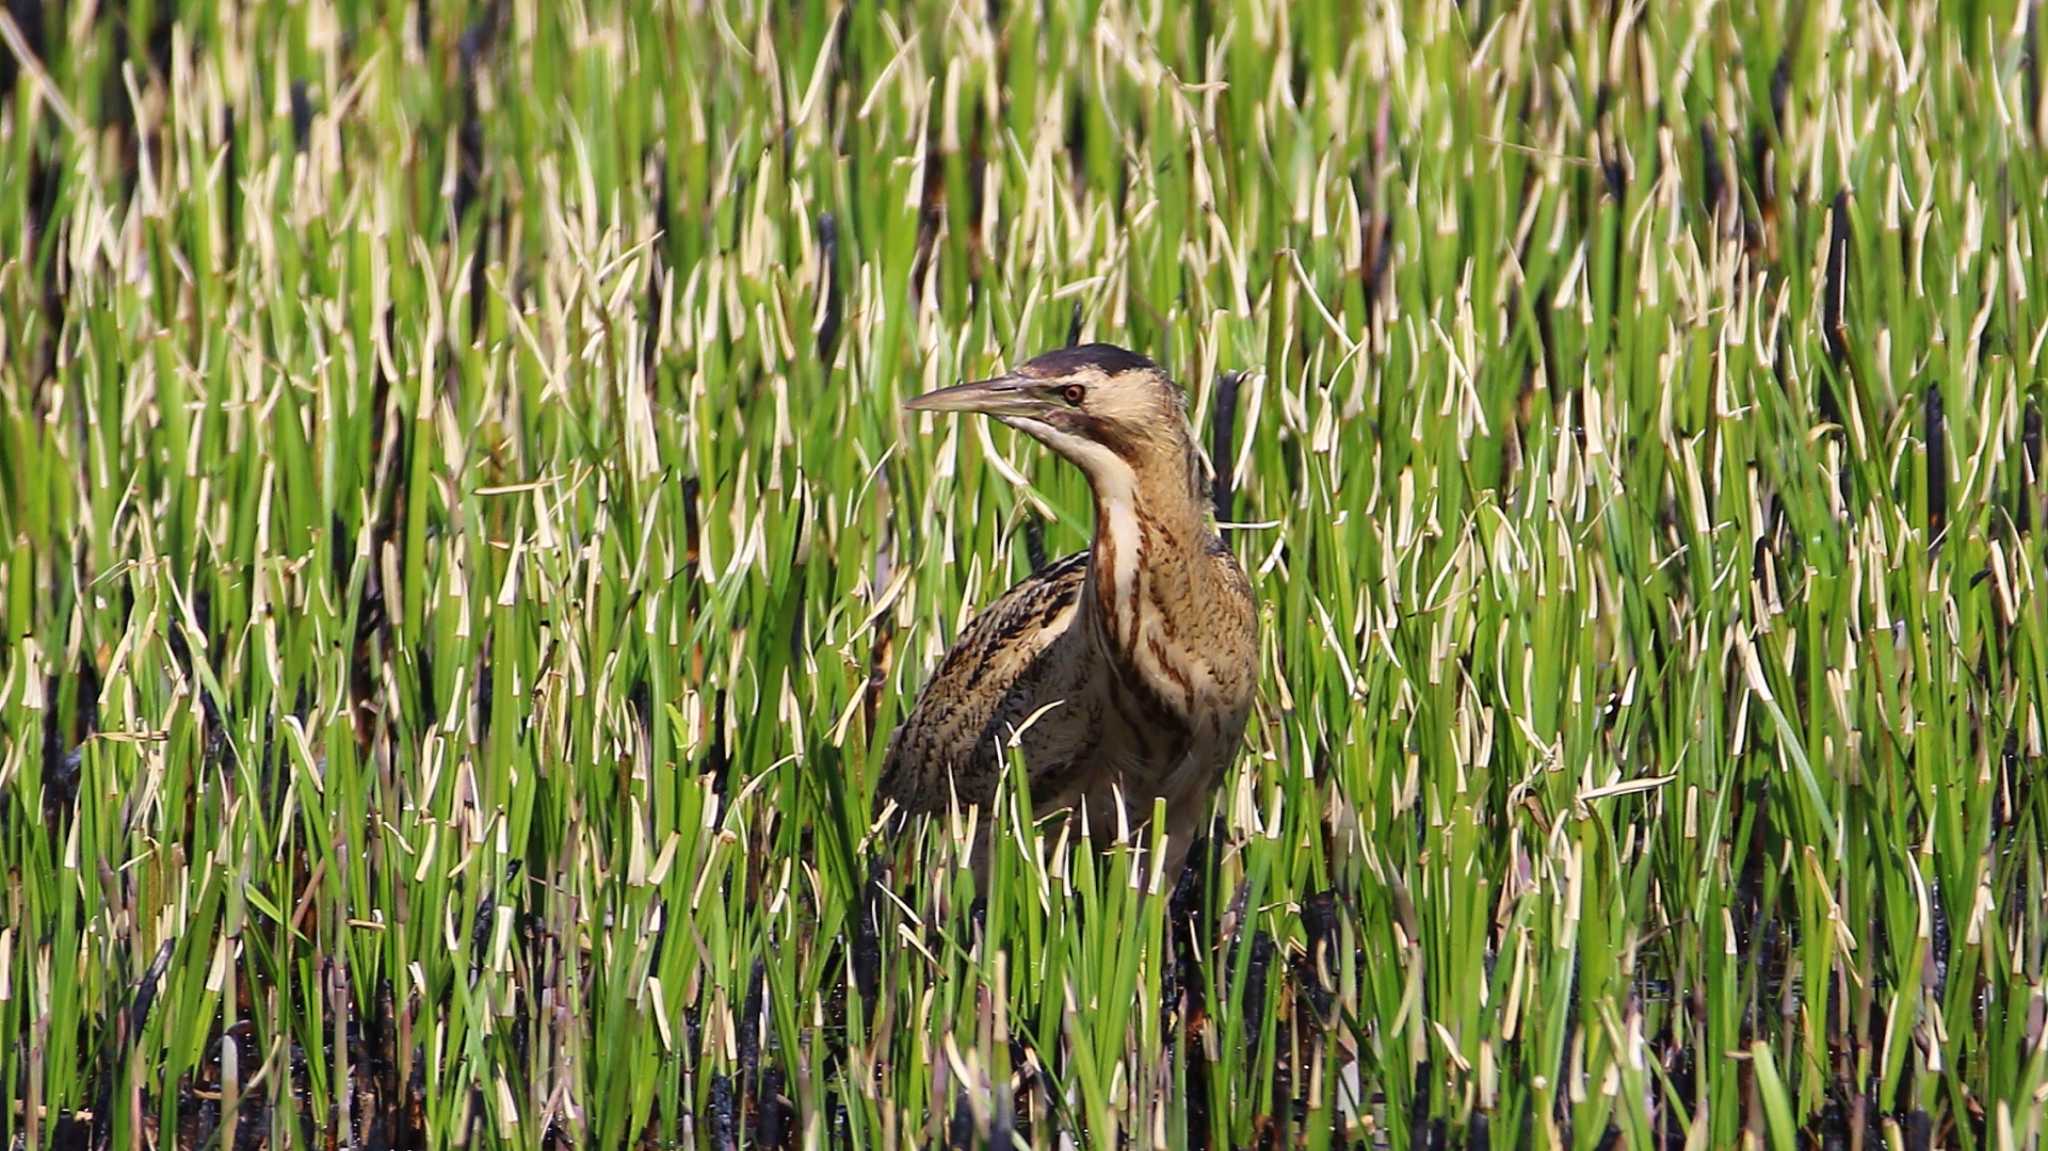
(464, 559)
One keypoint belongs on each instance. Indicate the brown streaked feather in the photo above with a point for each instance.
(994, 673)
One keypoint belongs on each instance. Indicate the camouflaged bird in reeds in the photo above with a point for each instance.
(1122, 674)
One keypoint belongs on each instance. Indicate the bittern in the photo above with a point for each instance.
(1123, 673)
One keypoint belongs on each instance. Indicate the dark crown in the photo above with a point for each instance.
(1109, 359)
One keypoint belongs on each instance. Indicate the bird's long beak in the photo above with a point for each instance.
(1006, 395)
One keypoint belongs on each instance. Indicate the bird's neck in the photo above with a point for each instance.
(1148, 567)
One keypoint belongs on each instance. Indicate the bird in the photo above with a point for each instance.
(1123, 673)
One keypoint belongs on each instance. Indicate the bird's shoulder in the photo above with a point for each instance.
(1019, 624)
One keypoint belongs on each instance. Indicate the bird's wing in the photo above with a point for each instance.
(994, 672)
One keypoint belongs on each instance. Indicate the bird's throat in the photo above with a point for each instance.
(1117, 570)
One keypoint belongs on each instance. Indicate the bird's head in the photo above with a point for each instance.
(1112, 412)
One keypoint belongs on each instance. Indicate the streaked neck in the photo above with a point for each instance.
(1150, 533)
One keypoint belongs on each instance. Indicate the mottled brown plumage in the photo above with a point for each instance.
(1137, 657)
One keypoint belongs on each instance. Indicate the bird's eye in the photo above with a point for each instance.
(1073, 394)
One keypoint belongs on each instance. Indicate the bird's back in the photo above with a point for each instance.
(1020, 654)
